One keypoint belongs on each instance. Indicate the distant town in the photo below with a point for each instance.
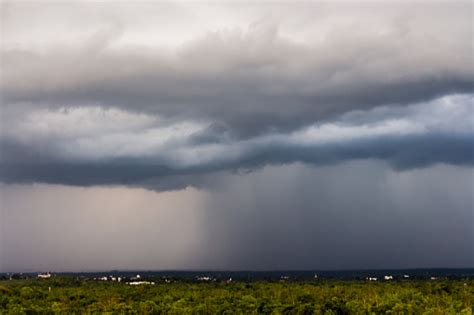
(166, 277)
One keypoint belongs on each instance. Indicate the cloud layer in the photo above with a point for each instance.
(96, 146)
(133, 98)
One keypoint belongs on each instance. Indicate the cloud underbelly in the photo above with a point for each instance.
(97, 146)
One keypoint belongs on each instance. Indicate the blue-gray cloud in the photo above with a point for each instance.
(175, 155)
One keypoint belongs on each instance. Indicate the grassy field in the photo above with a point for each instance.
(64, 295)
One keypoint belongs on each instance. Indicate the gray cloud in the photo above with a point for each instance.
(401, 153)
(258, 77)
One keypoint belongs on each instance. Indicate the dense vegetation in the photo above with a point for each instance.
(72, 295)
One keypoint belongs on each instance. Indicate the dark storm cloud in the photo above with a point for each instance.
(93, 146)
(124, 100)
(400, 152)
(324, 135)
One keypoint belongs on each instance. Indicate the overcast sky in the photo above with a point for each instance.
(232, 135)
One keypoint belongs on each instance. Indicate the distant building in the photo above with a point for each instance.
(372, 278)
(137, 277)
(204, 278)
(388, 277)
(44, 275)
(140, 282)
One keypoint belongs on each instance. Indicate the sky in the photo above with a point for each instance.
(236, 135)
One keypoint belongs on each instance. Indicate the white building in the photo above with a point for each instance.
(44, 275)
(204, 278)
(140, 282)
